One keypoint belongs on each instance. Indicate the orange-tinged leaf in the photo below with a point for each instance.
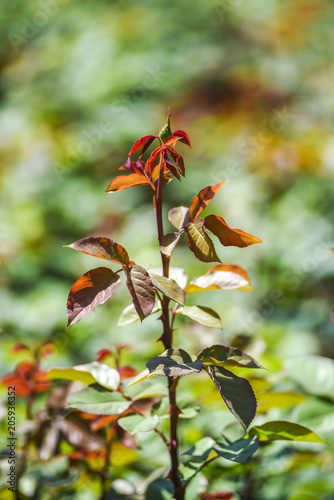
(126, 181)
(229, 236)
(152, 160)
(103, 248)
(220, 277)
(143, 142)
(94, 288)
(200, 243)
(202, 199)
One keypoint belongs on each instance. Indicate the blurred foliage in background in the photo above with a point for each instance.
(251, 83)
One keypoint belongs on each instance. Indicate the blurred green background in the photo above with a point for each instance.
(250, 81)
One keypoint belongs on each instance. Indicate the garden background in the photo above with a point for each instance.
(250, 81)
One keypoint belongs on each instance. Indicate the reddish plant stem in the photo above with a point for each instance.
(167, 339)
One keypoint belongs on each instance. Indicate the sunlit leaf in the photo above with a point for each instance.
(154, 390)
(129, 315)
(220, 277)
(93, 288)
(236, 392)
(144, 375)
(102, 247)
(278, 399)
(202, 315)
(239, 451)
(314, 373)
(229, 236)
(89, 374)
(143, 142)
(121, 456)
(202, 199)
(126, 181)
(174, 363)
(152, 160)
(168, 287)
(286, 431)
(138, 423)
(184, 136)
(224, 355)
(179, 217)
(169, 242)
(176, 273)
(200, 243)
(141, 289)
(98, 400)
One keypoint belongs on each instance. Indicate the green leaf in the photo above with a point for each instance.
(154, 390)
(200, 243)
(168, 287)
(102, 247)
(239, 451)
(129, 315)
(144, 375)
(189, 409)
(141, 289)
(160, 489)
(89, 374)
(229, 236)
(98, 400)
(179, 217)
(224, 355)
(314, 373)
(138, 423)
(169, 242)
(176, 273)
(174, 363)
(278, 399)
(203, 315)
(236, 392)
(285, 431)
(221, 277)
(201, 450)
(93, 288)
(305, 496)
(200, 453)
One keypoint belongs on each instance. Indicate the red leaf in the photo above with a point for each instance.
(27, 379)
(170, 165)
(126, 181)
(141, 289)
(202, 199)
(184, 137)
(133, 166)
(94, 288)
(229, 236)
(126, 372)
(20, 347)
(151, 162)
(143, 142)
(103, 353)
(178, 160)
(103, 248)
